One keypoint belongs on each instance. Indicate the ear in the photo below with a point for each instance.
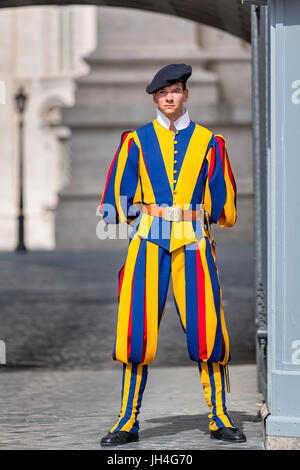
(154, 98)
(186, 95)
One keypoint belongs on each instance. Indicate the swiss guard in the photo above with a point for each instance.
(171, 179)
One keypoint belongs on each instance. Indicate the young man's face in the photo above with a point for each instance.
(170, 100)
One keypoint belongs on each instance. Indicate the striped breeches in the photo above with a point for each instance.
(143, 286)
(133, 386)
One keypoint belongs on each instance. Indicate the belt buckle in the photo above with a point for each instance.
(173, 214)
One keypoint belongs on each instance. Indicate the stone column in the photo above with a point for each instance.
(283, 423)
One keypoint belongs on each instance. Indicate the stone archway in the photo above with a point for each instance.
(228, 15)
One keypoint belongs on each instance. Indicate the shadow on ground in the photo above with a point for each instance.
(170, 425)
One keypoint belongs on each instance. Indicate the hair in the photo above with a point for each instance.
(184, 85)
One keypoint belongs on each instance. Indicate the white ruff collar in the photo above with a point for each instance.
(179, 124)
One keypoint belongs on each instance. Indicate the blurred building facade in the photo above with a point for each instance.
(42, 50)
(86, 78)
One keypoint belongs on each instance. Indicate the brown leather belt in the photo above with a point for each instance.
(173, 213)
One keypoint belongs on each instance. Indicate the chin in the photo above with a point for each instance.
(170, 112)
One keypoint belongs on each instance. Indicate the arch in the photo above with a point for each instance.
(228, 15)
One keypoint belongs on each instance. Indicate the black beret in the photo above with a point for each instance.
(168, 75)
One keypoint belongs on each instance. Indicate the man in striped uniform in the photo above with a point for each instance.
(170, 179)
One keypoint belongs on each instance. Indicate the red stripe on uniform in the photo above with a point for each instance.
(230, 174)
(221, 147)
(107, 179)
(129, 333)
(145, 323)
(201, 306)
(124, 137)
(110, 169)
(224, 154)
(130, 144)
(212, 163)
(121, 280)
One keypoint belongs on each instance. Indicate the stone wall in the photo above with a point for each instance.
(41, 50)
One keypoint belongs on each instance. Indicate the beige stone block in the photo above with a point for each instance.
(282, 443)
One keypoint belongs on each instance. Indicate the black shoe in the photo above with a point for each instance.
(118, 438)
(228, 434)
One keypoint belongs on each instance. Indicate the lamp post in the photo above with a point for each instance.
(21, 99)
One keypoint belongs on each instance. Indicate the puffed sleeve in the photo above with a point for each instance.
(122, 187)
(220, 189)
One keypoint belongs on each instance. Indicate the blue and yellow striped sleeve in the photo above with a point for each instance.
(220, 188)
(122, 183)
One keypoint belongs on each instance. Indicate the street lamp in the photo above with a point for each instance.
(21, 99)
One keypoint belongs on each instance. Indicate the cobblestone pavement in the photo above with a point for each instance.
(47, 409)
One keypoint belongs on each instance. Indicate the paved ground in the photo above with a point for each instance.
(60, 389)
(49, 409)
